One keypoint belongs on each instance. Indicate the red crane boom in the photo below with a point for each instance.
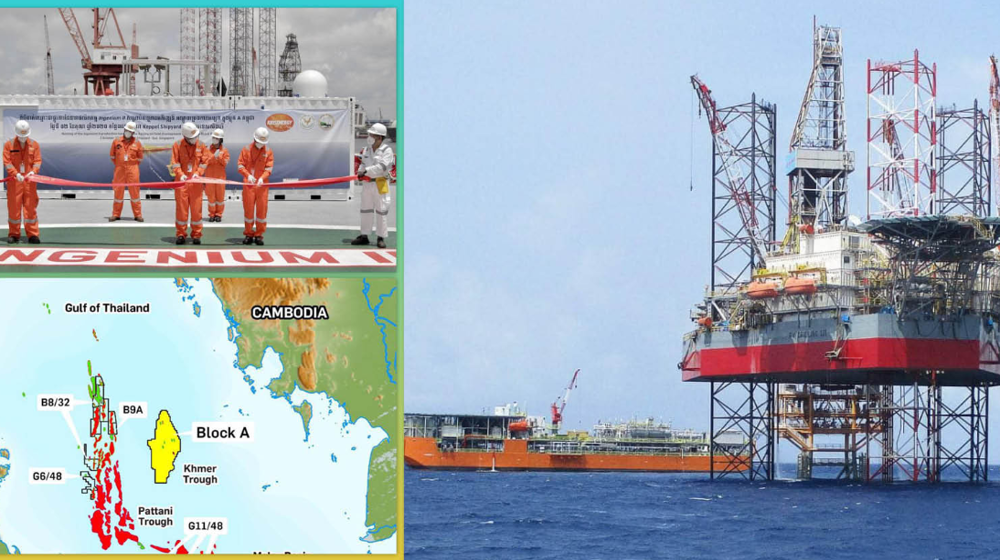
(557, 408)
(69, 18)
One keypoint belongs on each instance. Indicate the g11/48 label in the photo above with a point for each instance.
(206, 525)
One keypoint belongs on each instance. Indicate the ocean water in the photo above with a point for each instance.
(537, 515)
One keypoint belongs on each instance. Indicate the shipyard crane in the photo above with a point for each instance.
(560, 403)
(50, 82)
(104, 72)
(736, 179)
(995, 120)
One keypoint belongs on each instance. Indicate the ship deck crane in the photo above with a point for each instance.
(559, 405)
(735, 178)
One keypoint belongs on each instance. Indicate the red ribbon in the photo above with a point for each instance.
(177, 184)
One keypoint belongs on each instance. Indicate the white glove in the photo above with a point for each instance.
(184, 177)
(361, 171)
(194, 177)
(20, 177)
(30, 173)
(126, 157)
(251, 179)
(386, 199)
(260, 182)
(218, 153)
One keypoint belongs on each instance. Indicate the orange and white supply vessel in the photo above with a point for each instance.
(508, 439)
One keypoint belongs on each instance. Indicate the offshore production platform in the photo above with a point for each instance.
(869, 345)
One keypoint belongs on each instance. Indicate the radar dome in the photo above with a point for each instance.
(309, 83)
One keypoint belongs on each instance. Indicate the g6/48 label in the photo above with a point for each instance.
(55, 402)
(47, 476)
(206, 525)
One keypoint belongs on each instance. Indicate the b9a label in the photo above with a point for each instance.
(132, 410)
(206, 526)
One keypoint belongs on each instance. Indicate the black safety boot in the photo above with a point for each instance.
(140, 219)
(34, 240)
(196, 240)
(258, 240)
(361, 240)
(381, 243)
(180, 240)
(12, 240)
(113, 219)
(247, 240)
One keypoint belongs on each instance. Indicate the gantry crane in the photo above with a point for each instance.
(559, 405)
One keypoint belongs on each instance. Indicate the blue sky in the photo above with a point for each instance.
(549, 223)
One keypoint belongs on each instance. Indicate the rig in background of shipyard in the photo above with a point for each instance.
(869, 345)
(255, 69)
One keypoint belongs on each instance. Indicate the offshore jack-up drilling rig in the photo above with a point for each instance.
(869, 346)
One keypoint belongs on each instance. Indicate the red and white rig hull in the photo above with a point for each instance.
(865, 348)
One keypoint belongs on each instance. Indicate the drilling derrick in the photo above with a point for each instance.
(241, 51)
(189, 50)
(267, 32)
(210, 46)
(289, 66)
(818, 160)
(824, 422)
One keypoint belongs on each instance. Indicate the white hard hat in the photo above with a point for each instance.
(189, 130)
(260, 135)
(130, 127)
(22, 129)
(377, 128)
(218, 133)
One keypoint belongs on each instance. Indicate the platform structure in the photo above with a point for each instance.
(890, 352)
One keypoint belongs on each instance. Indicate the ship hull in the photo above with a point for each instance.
(423, 453)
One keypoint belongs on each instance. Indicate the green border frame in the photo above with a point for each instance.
(400, 227)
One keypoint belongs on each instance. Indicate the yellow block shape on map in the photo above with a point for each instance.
(164, 446)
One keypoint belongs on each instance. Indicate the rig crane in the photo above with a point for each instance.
(559, 405)
(995, 120)
(735, 177)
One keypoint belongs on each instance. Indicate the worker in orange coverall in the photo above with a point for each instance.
(255, 165)
(126, 155)
(215, 160)
(22, 158)
(187, 164)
